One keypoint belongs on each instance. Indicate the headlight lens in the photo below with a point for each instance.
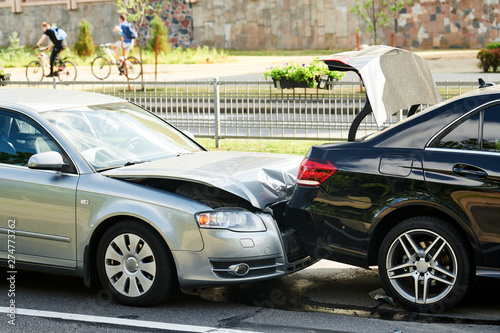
(236, 220)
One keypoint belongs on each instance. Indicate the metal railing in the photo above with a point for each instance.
(249, 109)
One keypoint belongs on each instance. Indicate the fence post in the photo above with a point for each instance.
(216, 110)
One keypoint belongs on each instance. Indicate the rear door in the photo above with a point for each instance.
(463, 168)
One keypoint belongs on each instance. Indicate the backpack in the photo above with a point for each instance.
(129, 31)
(60, 33)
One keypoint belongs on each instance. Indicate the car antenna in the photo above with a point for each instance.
(483, 84)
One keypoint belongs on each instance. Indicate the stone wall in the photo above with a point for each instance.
(275, 24)
(102, 17)
(430, 24)
(329, 24)
(177, 17)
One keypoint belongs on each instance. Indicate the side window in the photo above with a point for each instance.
(465, 136)
(491, 129)
(20, 138)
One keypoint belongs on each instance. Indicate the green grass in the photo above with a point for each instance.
(200, 55)
(292, 147)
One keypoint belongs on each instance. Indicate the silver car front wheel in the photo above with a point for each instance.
(424, 263)
(135, 265)
(130, 265)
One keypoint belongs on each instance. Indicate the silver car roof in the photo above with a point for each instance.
(41, 100)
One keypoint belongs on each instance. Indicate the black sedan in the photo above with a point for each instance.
(419, 199)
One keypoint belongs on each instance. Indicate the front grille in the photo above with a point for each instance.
(257, 267)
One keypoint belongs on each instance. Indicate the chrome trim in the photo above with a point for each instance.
(250, 268)
(483, 152)
(488, 272)
(37, 235)
(482, 106)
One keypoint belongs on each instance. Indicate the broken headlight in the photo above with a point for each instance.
(232, 219)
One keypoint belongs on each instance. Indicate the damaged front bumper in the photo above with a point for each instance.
(230, 257)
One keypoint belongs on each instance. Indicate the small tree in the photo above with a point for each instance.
(376, 13)
(136, 11)
(15, 46)
(84, 45)
(159, 29)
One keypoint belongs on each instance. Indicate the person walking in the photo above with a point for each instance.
(57, 39)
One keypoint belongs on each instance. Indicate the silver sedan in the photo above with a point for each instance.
(97, 187)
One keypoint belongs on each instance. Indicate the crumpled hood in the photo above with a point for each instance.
(259, 178)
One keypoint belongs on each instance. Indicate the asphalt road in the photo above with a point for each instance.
(326, 297)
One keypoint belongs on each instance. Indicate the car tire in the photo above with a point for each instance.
(135, 265)
(425, 264)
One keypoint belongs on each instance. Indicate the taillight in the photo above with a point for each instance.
(314, 172)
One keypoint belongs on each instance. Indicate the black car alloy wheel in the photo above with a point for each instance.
(425, 264)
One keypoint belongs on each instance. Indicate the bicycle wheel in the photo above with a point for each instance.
(101, 68)
(34, 71)
(134, 68)
(67, 71)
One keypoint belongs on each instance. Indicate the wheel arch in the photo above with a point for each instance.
(390, 219)
(91, 278)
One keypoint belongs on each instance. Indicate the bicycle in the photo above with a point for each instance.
(101, 65)
(64, 68)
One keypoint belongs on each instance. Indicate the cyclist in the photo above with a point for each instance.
(129, 35)
(59, 45)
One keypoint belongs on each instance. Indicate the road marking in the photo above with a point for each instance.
(120, 321)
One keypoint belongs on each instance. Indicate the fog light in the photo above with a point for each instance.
(239, 269)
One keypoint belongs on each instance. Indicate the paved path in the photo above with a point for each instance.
(445, 65)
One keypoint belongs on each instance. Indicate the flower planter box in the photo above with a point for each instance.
(325, 82)
(321, 83)
(317, 75)
(4, 77)
(289, 84)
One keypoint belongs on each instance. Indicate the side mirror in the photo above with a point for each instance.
(50, 160)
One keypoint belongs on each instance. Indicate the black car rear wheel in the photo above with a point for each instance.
(425, 264)
(135, 265)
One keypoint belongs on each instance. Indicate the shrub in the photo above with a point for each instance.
(489, 58)
(15, 55)
(494, 45)
(15, 46)
(159, 29)
(84, 45)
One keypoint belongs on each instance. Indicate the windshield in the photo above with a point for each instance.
(119, 134)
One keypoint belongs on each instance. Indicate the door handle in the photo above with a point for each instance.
(469, 171)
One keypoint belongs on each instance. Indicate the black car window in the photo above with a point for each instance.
(491, 129)
(20, 138)
(464, 136)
